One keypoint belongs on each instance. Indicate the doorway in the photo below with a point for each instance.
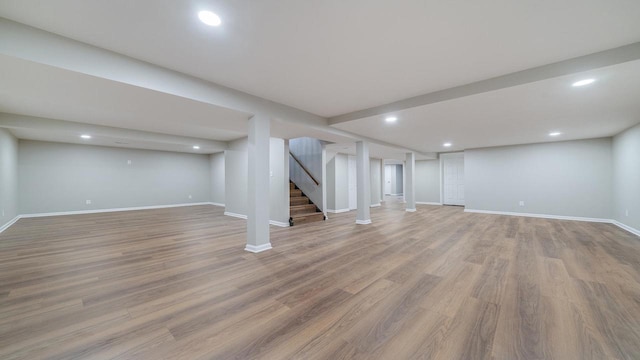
(452, 179)
(393, 175)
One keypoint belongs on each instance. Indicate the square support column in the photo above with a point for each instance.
(324, 179)
(364, 183)
(258, 185)
(410, 179)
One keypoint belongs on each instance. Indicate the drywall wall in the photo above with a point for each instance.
(374, 169)
(236, 169)
(330, 175)
(309, 152)
(55, 177)
(236, 164)
(376, 181)
(216, 162)
(427, 185)
(337, 182)
(571, 178)
(279, 181)
(626, 177)
(8, 177)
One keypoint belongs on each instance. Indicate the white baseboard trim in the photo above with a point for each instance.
(245, 217)
(375, 205)
(337, 211)
(363, 222)
(428, 203)
(8, 225)
(543, 216)
(626, 227)
(239, 216)
(279, 223)
(410, 210)
(217, 204)
(258, 248)
(97, 211)
(560, 217)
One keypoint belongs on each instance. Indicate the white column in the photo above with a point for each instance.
(286, 178)
(364, 183)
(410, 179)
(324, 179)
(258, 185)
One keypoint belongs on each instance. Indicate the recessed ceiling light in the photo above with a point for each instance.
(555, 133)
(583, 82)
(196, 147)
(85, 136)
(209, 18)
(391, 119)
(446, 144)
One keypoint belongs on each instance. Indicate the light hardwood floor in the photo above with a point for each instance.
(435, 284)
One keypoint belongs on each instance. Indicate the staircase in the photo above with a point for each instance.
(301, 210)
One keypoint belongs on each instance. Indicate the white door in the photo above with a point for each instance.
(387, 179)
(453, 181)
(353, 184)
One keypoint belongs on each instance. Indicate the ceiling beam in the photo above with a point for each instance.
(38, 46)
(35, 45)
(14, 121)
(576, 65)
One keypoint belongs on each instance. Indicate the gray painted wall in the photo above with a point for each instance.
(626, 177)
(236, 173)
(236, 169)
(374, 169)
(399, 179)
(427, 185)
(309, 152)
(58, 177)
(216, 162)
(571, 178)
(337, 182)
(331, 180)
(8, 177)
(279, 184)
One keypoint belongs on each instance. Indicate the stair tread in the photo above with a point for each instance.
(299, 200)
(297, 207)
(307, 214)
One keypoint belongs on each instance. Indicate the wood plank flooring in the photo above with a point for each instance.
(435, 284)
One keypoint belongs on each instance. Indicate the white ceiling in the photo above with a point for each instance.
(331, 57)
(517, 115)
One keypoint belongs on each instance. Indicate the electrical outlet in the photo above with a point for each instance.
(626, 212)
(189, 196)
(88, 202)
(521, 203)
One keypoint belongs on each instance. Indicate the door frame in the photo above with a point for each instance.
(442, 157)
